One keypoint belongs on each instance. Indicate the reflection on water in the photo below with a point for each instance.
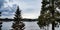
(7, 25)
(28, 25)
(31, 26)
(18, 25)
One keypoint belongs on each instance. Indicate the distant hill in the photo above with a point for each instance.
(21, 20)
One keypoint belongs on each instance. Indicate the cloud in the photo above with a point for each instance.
(1, 3)
(31, 16)
(8, 16)
(30, 8)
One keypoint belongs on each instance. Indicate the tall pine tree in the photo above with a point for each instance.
(18, 15)
(0, 13)
(18, 25)
(49, 13)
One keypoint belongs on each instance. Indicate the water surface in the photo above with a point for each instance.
(28, 26)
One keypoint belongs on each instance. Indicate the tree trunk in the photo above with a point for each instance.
(53, 25)
(48, 27)
(52, 11)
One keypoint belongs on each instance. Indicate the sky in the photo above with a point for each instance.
(30, 8)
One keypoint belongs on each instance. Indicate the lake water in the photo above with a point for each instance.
(28, 26)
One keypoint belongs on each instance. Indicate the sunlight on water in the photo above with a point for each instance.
(6, 25)
(31, 26)
(28, 26)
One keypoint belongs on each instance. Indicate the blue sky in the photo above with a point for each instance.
(30, 8)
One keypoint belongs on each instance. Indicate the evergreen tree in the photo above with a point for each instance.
(0, 13)
(42, 19)
(49, 14)
(18, 15)
(0, 22)
(18, 25)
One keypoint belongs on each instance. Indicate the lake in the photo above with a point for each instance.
(28, 26)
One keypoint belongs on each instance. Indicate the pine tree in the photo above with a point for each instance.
(44, 10)
(0, 22)
(49, 13)
(0, 13)
(18, 25)
(18, 15)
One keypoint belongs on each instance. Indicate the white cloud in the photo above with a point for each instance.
(24, 6)
(8, 16)
(31, 16)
